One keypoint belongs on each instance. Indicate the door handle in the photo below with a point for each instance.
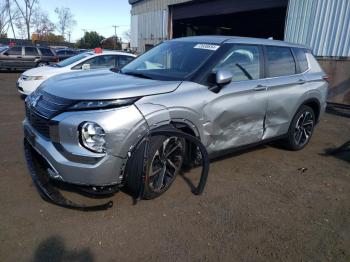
(19, 57)
(260, 88)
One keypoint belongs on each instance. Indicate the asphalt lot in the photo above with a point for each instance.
(257, 206)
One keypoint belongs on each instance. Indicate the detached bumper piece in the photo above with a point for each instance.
(46, 188)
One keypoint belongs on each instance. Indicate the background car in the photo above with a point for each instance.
(24, 57)
(31, 79)
(3, 48)
(63, 54)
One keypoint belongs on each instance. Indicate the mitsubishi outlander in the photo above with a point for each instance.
(229, 92)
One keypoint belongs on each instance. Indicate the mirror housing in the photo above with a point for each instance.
(223, 77)
(85, 67)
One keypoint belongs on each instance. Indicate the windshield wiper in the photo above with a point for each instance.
(136, 74)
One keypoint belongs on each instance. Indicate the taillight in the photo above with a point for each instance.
(326, 78)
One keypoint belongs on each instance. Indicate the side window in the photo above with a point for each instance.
(17, 50)
(280, 61)
(243, 61)
(46, 52)
(31, 51)
(103, 61)
(123, 60)
(301, 58)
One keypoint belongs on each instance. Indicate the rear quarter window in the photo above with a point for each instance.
(300, 55)
(280, 61)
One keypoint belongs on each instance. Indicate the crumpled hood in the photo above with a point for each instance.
(104, 84)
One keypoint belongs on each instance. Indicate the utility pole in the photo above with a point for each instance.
(115, 30)
(69, 33)
(115, 36)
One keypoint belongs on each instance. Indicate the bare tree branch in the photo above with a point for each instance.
(66, 20)
(26, 13)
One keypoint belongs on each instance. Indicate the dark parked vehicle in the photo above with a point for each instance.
(25, 57)
(63, 54)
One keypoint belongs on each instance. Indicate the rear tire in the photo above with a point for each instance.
(40, 64)
(165, 159)
(301, 129)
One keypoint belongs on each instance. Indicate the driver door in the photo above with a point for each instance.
(236, 115)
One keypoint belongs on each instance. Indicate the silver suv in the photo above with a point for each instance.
(229, 92)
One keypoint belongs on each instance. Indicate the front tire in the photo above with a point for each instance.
(301, 129)
(165, 159)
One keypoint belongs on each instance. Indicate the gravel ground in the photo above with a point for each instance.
(257, 206)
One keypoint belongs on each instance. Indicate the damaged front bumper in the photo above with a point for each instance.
(103, 171)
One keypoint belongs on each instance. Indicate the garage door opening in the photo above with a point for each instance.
(263, 23)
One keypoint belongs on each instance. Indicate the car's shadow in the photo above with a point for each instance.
(5, 71)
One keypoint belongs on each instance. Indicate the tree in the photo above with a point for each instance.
(111, 43)
(65, 20)
(4, 18)
(13, 16)
(26, 14)
(50, 37)
(90, 40)
(42, 24)
(127, 35)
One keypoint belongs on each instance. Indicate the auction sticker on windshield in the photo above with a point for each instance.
(207, 46)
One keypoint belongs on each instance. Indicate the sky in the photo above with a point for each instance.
(93, 15)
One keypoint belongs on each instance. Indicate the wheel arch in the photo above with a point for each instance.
(315, 106)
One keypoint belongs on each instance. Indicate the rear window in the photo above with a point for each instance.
(280, 61)
(46, 52)
(301, 58)
(31, 51)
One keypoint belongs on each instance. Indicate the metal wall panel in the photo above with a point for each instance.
(323, 25)
(146, 6)
(149, 28)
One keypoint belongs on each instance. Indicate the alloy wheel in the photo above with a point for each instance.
(165, 164)
(303, 129)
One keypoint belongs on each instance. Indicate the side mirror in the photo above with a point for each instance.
(223, 77)
(85, 67)
(6, 53)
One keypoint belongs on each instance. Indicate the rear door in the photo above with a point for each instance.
(286, 87)
(31, 57)
(238, 110)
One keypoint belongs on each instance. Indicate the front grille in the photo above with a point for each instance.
(39, 123)
(41, 107)
(48, 105)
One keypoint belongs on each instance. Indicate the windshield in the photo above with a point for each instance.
(3, 48)
(173, 60)
(72, 59)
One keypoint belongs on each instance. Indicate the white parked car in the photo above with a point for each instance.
(31, 79)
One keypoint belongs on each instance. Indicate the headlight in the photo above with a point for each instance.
(92, 137)
(29, 78)
(96, 104)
